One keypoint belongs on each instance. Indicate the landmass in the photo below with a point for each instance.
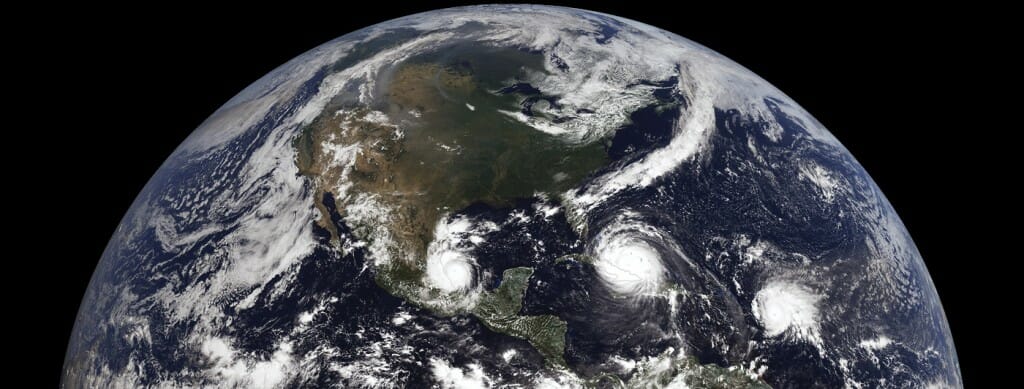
(499, 311)
(435, 144)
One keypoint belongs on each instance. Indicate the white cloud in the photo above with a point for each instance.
(472, 377)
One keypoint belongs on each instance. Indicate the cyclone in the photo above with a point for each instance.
(450, 267)
(628, 256)
(511, 196)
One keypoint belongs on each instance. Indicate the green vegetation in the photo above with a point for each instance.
(499, 311)
(576, 257)
(716, 377)
(457, 155)
(454, 147)
(442, 144)
(672, 369)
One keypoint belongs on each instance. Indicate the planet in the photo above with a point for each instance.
(511, 196)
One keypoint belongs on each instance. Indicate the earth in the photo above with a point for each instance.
(523, 196)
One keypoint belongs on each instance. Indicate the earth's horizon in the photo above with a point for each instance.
(511, 195)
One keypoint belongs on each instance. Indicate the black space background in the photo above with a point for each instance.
(114, 91)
